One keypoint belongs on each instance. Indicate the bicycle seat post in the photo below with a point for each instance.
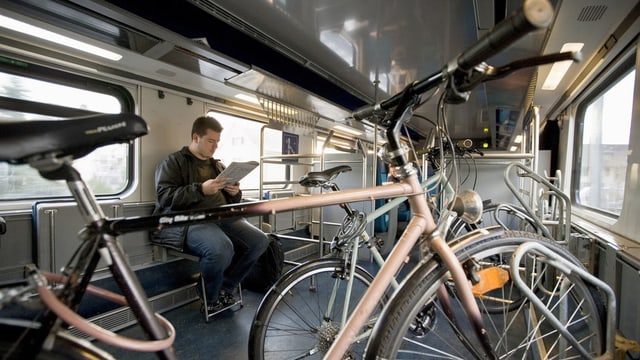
(325, 179)
(53, 169)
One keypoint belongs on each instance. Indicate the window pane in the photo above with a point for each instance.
(105, 169)
(240, 141)
(605, 140)
(24, 88)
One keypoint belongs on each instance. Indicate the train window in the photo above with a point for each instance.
(603, 137)
(25, 98)
(241, 142)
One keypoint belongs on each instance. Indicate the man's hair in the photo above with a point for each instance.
(203, 123)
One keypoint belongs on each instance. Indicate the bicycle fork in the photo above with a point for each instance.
(466, 296)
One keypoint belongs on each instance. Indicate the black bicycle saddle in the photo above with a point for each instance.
(23, 141)
(320, 178)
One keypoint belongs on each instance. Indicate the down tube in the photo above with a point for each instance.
(421, 222)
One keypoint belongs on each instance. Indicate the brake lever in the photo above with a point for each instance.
(492, 73)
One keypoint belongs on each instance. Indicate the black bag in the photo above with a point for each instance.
(268, 269)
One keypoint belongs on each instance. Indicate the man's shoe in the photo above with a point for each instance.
(227, 298)
(213, 307)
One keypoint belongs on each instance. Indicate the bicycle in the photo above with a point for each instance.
(72, 138)
(43, 336)
(469, 254)
(310, 301)
(439, 278)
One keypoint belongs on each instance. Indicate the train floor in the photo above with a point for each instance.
(224, 337)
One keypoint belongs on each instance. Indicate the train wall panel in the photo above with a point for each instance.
(56, 226)
(16, 249)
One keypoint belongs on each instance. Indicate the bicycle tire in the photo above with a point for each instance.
(290, 320)
(394, 336)
(65, 347)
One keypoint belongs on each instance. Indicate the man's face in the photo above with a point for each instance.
(206, 145)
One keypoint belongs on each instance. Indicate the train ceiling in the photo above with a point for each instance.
(325, 56)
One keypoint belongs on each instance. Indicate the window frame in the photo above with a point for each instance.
(617, 72)
(212, 110)
(56, 76)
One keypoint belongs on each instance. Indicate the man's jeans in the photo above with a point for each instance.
(227, 250)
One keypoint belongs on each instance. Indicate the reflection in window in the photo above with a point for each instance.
(606, 127)
(339, 44)
(383, 81)
(105, 169)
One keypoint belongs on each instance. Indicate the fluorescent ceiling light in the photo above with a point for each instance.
(31, 30)
(248, 98)
(513, 148)
(559, 69)
(518, 139)
(347, 130)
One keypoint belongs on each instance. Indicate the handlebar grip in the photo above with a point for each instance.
(534, 14)
(364, 112)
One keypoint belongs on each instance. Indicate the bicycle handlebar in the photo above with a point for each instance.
(534, 14)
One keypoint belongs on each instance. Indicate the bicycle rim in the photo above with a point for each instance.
(295, 320)
(415, 325)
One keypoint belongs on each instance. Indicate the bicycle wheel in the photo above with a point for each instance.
(417, 324)
(302, 313)
(510, 217)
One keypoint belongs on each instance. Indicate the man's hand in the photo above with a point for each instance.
(212, 186)
(232, 189)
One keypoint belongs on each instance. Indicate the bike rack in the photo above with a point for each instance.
(561, 204)
(567, 268)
